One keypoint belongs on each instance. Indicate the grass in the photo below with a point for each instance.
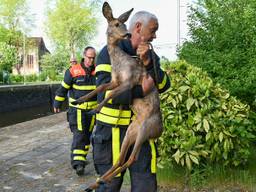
(212, 178)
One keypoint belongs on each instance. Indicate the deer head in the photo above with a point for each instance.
(116, 28)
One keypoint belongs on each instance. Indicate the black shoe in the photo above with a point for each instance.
(79, 170)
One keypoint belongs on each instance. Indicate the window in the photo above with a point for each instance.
(30, 61)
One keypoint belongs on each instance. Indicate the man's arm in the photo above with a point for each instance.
(62, 91)
(149, 59)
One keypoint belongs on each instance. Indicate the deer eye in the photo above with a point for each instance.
(117, 24)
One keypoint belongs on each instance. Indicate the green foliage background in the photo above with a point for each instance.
(203, 123)
(8, 57)
(223, 43)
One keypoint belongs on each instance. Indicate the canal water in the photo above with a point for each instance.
(22, 115)
(26, 102)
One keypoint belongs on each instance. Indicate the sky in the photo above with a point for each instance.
(166, 11)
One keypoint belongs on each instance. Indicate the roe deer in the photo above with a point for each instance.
(126, 73)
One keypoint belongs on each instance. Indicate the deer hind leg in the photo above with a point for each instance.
(129, 139)
(124, 166)
(115, 92)
(100, 88)
(141, 137)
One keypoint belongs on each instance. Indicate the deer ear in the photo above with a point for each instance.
(124, 17)
(107, 11)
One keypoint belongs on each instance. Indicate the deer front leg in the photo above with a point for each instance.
(115, 92)
(100, 88)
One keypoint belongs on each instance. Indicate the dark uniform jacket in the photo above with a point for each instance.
(110, 113)
(78, 81)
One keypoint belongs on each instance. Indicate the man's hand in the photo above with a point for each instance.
(143, 52)
(56, 110)
(147, 84)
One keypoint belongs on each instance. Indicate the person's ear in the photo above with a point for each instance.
(138, 27)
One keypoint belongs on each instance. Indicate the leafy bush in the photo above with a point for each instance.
(8, 57)
(52, 75)
(31, 78)
(42, 76)
(16, 78)
(57, 61)
(222, 42)
(1, 76)
(203, 123)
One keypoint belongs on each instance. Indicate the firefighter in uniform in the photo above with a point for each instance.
(78, 81)
(112, 121)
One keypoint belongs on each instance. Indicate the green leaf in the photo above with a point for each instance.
(198, 126)
(180, 97)
(208, 136)
(174, 103)
(189, 103)
(194, 159)
(188, 162)
(204, 153)
(221, 136)
(184, 88)
(182, 161)
(194, 153)
(226, 145)
(206, 125)
(177, 156)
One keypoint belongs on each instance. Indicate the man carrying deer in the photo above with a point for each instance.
(114, 118)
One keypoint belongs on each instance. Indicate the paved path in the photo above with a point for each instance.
(35, 157)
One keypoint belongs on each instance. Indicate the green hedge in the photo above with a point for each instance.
(203, 123)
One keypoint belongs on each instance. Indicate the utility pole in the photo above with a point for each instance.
(178, 23)
(24, 53)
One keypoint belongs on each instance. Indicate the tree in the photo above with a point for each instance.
(8, 57)
(71, 24)
(57, 61)
(15, 22)
(223, 43)
(16, 18)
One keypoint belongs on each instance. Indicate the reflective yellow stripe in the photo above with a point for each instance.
(65, 85)
(106, 94)
(115, 145)
(79, 120)
(103, 67)
(112, 120)
(85, 105)
(116, 112)
(153, 154)
(79, 158)
(58, 98)
(79, 152)
(162, 84)
(92, 123)
(87, 147)
(84, 87)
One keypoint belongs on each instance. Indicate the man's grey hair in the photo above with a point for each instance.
(143, 17)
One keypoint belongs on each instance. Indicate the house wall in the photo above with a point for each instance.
(32, 56)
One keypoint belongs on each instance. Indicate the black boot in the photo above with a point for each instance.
(79, 170)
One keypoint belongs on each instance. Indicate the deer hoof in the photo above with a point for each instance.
(74, 102)
(88, 189)
(92, 112)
